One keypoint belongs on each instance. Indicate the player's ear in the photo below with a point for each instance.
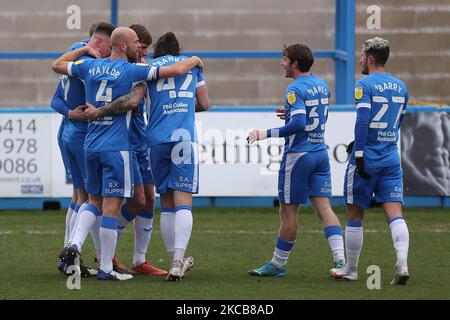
(99, 42)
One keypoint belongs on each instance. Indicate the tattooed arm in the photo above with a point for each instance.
(122, 104)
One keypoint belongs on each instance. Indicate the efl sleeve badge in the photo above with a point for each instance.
(358, 93)
(291, 97)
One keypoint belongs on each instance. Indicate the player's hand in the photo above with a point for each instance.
(280, 113)
(93, 52)
(257, 135)
(92, 112)
(199, 63)
(350, 147)
(139, 90)
(360, 168)
(78, 113)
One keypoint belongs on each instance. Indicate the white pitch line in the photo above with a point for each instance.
(41, 232)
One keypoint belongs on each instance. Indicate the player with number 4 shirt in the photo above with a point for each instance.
(107, 149)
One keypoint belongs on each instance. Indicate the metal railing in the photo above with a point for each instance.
(343, 55)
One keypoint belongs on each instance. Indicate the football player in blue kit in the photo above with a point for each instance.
(305, 168)
(107, 151)
(140, 208)
(59, 104)
(69, 100)
(172, 141)
(163, 130)
(374, 167)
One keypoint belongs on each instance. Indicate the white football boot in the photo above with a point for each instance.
(188, 264)
(337, 265)
(345, 274)
(401, 276)
(176, 271)
(113, 275)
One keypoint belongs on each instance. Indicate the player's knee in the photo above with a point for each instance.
(111, 205)
(137, 204)
(354, 213)
(82, 195)
(284, 218)
(74, 196)
(325, 213)
(140, 203)
(149, 202)
(288, 213)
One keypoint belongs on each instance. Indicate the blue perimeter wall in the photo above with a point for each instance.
(219, 202)
(38, 203)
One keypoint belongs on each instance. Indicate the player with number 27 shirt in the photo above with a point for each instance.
(374, 168)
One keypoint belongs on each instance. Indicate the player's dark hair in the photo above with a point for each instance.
(142, 33)
(167, 44)
(104, 28)
(92, 28)
(302, 54)
(379, 49)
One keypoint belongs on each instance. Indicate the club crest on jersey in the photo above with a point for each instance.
(79, 62)
(358, 93)
(291, 97)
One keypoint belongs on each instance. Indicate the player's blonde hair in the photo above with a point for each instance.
(378, 48)
(376, 43)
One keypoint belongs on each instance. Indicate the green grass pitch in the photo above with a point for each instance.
(226, 242)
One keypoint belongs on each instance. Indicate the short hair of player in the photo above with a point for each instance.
(104, 28)
(379, 49)
(92, 28)
(167, 44)
(142, 33)
(302, 54)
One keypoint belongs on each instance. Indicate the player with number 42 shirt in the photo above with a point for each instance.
(173, 155)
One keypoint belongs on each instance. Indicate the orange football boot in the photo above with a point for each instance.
(146, 268)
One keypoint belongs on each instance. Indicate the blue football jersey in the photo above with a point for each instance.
(387, 99)
(172, 104)
(74, 95)
(107, 80)
(138, 139)
(308, 95)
